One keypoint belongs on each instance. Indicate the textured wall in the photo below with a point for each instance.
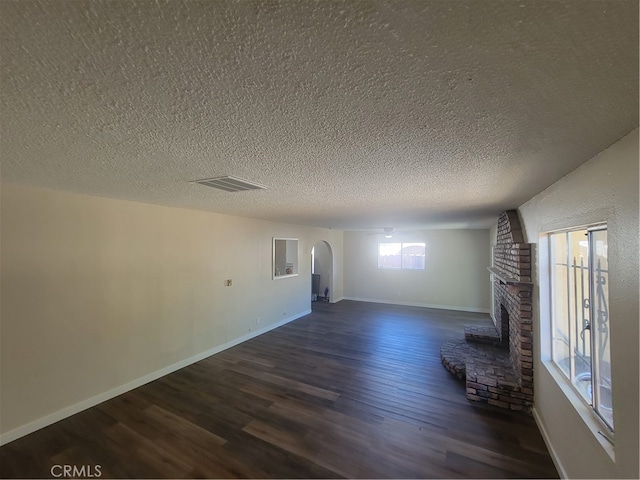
(603, 189)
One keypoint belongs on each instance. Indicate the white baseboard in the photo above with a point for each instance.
(547, 441)
(413, 304)
(47, 420)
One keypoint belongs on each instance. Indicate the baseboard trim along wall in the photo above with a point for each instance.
(547, 441)
(426, 305)
(31, 427)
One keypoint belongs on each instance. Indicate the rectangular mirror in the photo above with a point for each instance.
(285, 257)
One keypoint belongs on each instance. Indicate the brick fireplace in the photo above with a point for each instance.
(512, 299)
(497, 363)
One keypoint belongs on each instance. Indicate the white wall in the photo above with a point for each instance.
(455, 277)
(99, 295)
(603, 189)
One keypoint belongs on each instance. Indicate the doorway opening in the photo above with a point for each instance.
(321, 273)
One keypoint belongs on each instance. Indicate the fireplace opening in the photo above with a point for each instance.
(504, 327)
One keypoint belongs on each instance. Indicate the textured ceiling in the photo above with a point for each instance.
(354, 114)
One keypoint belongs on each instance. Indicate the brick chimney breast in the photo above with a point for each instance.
(497, 363)
(512, 297)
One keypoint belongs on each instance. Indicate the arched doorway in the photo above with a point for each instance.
(322, 268)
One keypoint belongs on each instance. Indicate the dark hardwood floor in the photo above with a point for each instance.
(353, 390)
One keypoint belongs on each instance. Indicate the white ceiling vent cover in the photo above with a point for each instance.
(230, 184)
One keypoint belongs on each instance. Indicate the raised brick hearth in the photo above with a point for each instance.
(496, 361)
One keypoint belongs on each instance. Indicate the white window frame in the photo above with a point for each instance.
(604, 429)
(402, 267)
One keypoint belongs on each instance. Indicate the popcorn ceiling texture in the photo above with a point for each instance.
(354, 114)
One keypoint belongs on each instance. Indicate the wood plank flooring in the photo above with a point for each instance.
(352, 390)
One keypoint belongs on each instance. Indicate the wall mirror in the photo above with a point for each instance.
(285, 257)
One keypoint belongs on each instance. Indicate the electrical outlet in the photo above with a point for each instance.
(228, 283)
(258, 320)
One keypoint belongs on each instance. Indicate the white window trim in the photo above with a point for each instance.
(588, 415)
(402, 269)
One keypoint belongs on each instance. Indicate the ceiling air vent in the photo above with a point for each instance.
(230, 184)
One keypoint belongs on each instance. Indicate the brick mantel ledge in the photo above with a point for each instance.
(504, 278)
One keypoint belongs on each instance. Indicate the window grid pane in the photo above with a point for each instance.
(600, 327)
(579, 314)
(406, 256)
(559, 280)
(389, 255)
(413, 256)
